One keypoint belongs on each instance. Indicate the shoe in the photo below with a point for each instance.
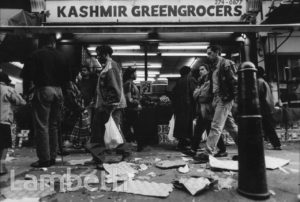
(39, 164)
(190, 152)
(235, 157)
(201, 158)
(221, 154)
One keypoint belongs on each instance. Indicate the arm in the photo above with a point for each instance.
(14, 98)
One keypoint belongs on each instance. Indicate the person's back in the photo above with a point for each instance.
(50, 68)
(48, 72)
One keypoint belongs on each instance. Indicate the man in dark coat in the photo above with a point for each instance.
(184, 107)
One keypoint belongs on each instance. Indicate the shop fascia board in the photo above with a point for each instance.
(150, 28)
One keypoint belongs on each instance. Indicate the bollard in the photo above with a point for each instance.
(252, 181)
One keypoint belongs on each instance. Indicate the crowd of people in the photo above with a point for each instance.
(75, 109)
(210, 98)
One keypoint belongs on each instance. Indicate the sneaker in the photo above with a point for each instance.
(201, 158)
(221, 154)
(39, 164)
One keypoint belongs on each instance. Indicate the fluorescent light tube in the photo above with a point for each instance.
(169, 75)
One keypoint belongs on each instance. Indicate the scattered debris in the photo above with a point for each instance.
(23, 189)
(274, 163)
(97, 196)
(44, 169)
(170, 164)
(145, 188)
(194, 185)
(152, 174)
(272, 192)
(225, 183)
(187, 159)
(157, 159)
(79, 162)
(143, 167)
(223, 164)
(120, 168)
(137, 159)
(184, 169)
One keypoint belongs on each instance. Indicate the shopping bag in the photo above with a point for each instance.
(171, 128)
(112, 136)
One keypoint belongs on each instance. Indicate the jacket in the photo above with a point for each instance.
(8, 97)
(266, 100)
(109, 91)
(227, 78)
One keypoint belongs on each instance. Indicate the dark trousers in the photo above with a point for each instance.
(130, 122)
(47, 106)
(98, 124)
(201, 126)
(269, 130)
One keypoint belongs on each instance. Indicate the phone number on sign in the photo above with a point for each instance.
(228, 2)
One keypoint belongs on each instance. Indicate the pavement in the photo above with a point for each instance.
(284, 184)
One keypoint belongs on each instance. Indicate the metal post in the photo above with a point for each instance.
(277, 66)
(146, 62)
(252, 181)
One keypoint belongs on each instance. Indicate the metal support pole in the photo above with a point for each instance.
(252, 181)
(146, 62)
(277, 66)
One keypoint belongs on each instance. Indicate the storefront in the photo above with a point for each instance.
(159, 37)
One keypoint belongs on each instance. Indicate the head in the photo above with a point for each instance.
(203, 70)
(4, 78)
(85, 71)
(185, 70)
(47, 40)
(213, 52)
(130, 73)
(260, 72)
(104, 52)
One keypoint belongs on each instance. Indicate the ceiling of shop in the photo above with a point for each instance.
(170, 64)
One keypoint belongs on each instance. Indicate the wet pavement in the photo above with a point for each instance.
(283, 183)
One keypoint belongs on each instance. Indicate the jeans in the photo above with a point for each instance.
(47, 107)
(222, 118)
(201, 126)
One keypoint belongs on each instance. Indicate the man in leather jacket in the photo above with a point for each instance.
(224, 89)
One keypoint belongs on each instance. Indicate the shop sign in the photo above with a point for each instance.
(144, 11)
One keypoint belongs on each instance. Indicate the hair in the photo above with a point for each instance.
(46, 39)
(127, 74)
(184, 70)
(204, 65)
(4, 78)
(215, 48)
(260, 72)
(104, 49)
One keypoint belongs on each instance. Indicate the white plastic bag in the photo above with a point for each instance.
(171, 128)
(112, 136)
